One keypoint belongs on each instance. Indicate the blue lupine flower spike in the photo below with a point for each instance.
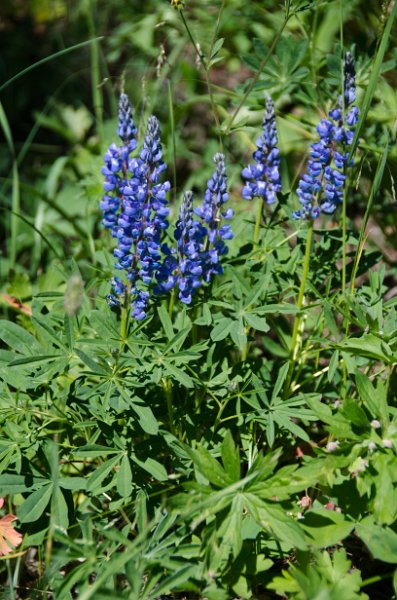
(135, 209)
(115, 168)
(263, 178)
(200, 243)
(321, 187)
(189, 235)
(211, 212)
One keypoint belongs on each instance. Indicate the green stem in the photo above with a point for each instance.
(171, 303)
(123, 326)
(344, 242)
(10, 579)
(172, 125)
(258, 73)
(298, 317)
(167, 385)
(203, 63)
(258, 223)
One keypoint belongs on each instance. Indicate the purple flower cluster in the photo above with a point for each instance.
(263, 178)
(135, 210)
(321, 188)
(200, 243)
(116, 165)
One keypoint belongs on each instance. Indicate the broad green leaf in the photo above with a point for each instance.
(325, 528)
(208, 466)
(281, 377)
(91, 363)
(178, 374)
(354, 413)
(380, 541)
(93, 451)
(17, 484)
(146, 418)
(238, 334)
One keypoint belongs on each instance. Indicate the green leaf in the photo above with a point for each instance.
(59, 509)
(124, 478)
(179, 375)
(153, 467)
(96, 478)
(18, 339)
(230, 457)
(257, 323)
(91, 363)
(281, 377)
(166, 322)
(354, 413)
(17, 484)
(325, 528)
(208, 466)
(146, 418)
(221, 329)
(238, 334)
(34, 506)
(93, 451)
(374, 399)
(380, 541)
(368, 345)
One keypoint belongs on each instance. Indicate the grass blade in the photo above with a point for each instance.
(47, 59)
(373, 80)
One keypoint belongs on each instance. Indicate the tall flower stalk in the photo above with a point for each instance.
(263, 178)
(135, 210)
(200, 238)
(322, 187)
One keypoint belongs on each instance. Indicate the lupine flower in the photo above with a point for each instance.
(263, 177)
(140, 222)
(212, 214)
(183, 267)
(9, 538)
(116, 164)
(321, 188)
(200, 243)
(135, 209)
